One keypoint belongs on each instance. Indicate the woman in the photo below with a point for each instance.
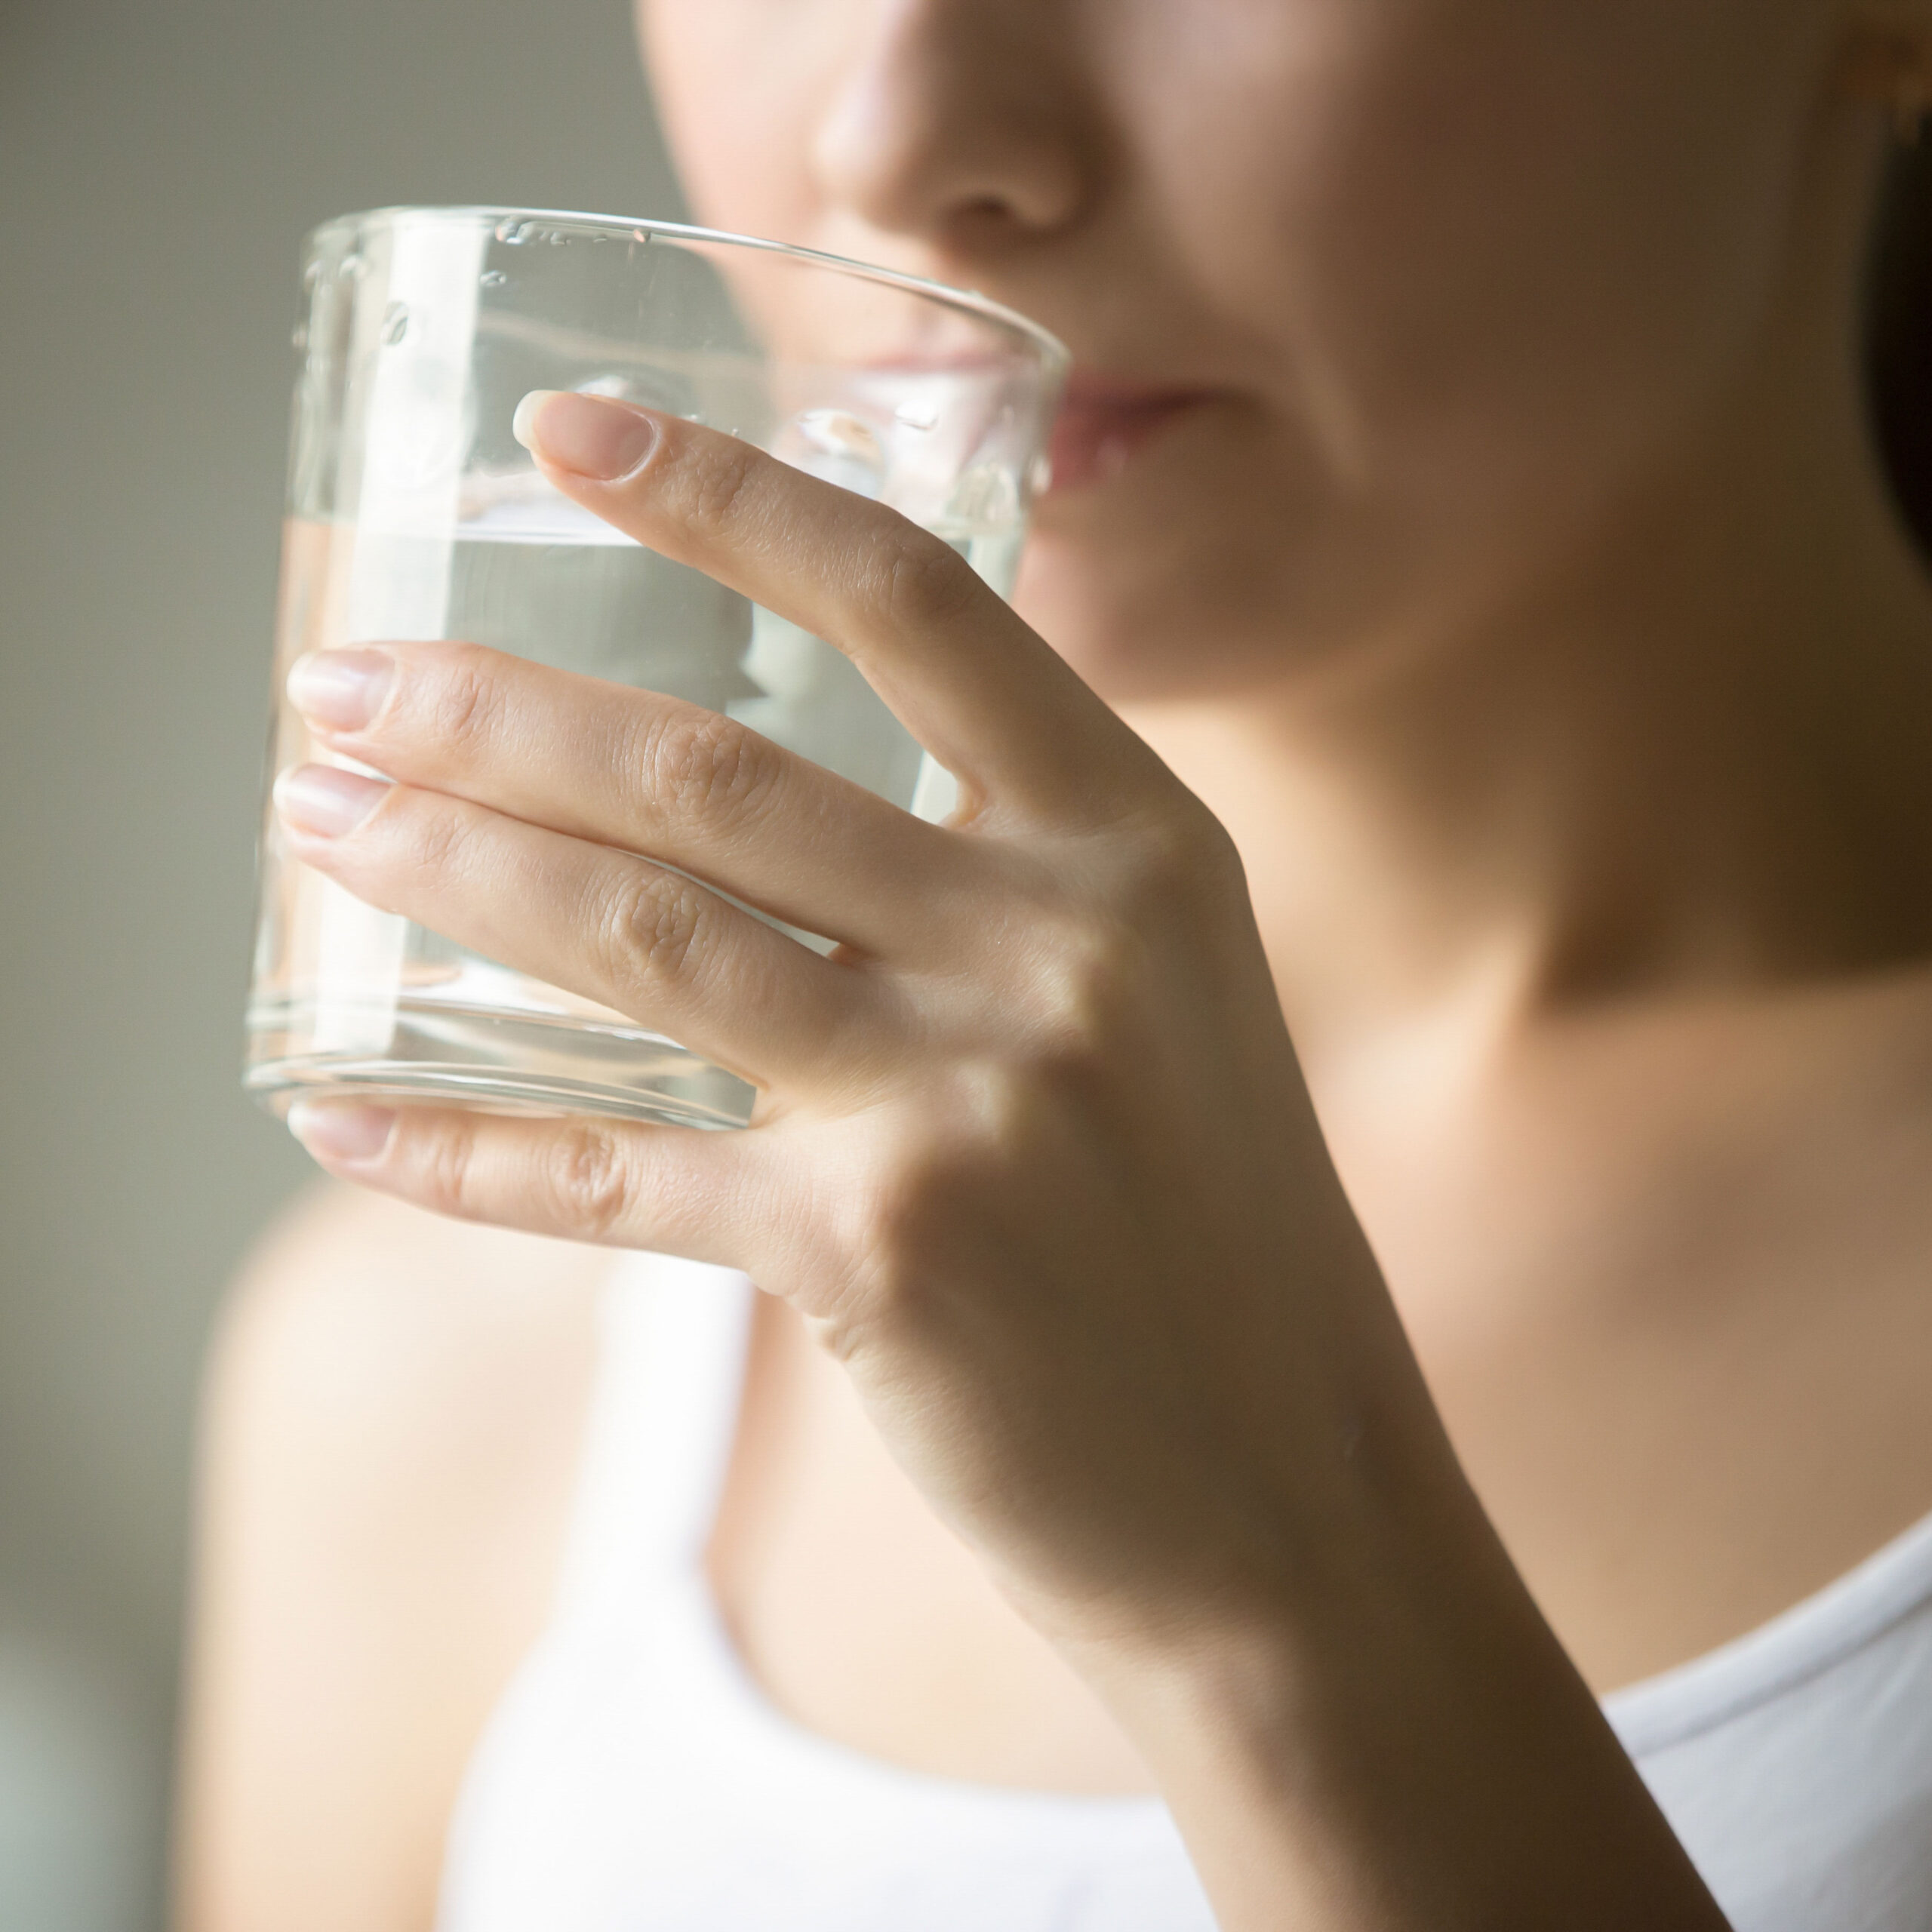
(1517, 679)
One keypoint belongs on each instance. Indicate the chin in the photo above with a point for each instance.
(1178, 615)
(1189, 572)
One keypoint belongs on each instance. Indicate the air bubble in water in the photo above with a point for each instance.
(843, 448)
(493, 278)
(395, 324)
(918, 414)
(986, 499)
(838, 433)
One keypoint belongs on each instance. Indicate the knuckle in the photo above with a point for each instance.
(718, 475)
(1091, 975)
(442, 1160)
(1110, 956)
(588, 1178)
(433, 835)
(705, 763)
(1175, 864)
(655, 922)
(925, 584)
(461, 703)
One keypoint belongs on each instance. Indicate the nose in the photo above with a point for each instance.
(962, 124)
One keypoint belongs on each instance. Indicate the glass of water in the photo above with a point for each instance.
(413, 513)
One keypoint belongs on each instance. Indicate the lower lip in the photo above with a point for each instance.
(1093, 441)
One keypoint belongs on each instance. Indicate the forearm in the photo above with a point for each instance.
(1411, 1753)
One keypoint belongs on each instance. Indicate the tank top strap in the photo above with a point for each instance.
(659, 1433)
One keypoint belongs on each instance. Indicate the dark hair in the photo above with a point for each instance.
(1899, 341)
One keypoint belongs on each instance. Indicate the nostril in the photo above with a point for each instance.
(982, 221)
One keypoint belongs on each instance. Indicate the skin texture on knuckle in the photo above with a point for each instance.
(430, 835)
(437, 1155)
(1175, 861)
(710, 485)
(1107, 923)
(1083, 989)
(655, 921)
(589, 1180)
(703, 764)
(457, 705)
(921, 584)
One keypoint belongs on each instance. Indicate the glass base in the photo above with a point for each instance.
(424, 1049)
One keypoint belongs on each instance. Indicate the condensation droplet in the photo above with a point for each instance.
(298, 336)
(514, 234)
(312, 273)
(352, 268)
(493, 278)
(918, 414)
(1039, 476)
(395, 324)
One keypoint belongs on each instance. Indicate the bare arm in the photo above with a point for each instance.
(390, 1427)
(1403, 1743)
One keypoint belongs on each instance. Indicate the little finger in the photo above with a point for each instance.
(624, 1183)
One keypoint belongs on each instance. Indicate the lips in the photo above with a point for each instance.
(1101, 425)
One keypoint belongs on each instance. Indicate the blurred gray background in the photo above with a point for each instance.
(159, 163)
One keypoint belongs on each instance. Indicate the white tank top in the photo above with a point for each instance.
(634, 1779)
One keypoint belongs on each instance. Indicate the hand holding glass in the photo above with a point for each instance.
(414, 514)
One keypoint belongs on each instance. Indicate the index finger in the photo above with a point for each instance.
(978, 688)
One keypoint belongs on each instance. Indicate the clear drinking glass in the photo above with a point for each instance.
(413, 513)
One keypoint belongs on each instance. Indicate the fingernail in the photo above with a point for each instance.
(321, 799)
(341, 1130)
(590, 435)
(343, 688)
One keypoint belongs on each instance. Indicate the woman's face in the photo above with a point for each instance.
(1374, 304)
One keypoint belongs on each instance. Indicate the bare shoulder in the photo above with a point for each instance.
(393, 1410)
(403, 1338)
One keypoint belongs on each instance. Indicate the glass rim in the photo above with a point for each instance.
(1055, 354)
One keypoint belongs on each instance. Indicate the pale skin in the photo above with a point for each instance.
(1507, 912)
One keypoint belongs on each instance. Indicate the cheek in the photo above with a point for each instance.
(735, 83)
(1491, 239)
(1490, 256)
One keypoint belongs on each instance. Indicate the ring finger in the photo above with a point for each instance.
(610, 927)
